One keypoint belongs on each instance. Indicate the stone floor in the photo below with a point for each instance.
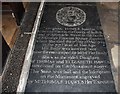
(13, 67)
(109, 19)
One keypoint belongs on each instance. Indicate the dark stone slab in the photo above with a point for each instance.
(14, 64)
(29, 18)
(33, 6)
(67, 3)
(13, 67)
(70, 58)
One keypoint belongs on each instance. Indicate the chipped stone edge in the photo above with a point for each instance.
(27, 62)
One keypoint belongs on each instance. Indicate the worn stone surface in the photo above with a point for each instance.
(14, 64)
(13, 67)
(29, 18)
(70, 59)
(109, 14)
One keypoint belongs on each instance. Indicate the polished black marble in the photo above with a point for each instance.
(70, 59)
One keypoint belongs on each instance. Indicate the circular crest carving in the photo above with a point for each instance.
(71, 16)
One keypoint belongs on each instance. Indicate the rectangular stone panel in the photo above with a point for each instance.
(70, 53)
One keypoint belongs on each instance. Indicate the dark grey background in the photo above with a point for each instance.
(49, 20)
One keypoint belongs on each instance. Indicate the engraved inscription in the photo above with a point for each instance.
(70, 53)
(70, 56)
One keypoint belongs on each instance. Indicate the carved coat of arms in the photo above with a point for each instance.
(71, 16)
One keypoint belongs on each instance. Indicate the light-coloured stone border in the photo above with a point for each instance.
(27, 62)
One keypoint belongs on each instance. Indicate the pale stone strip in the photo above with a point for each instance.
(28, 57)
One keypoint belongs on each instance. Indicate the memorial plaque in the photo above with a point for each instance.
(70, 53)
